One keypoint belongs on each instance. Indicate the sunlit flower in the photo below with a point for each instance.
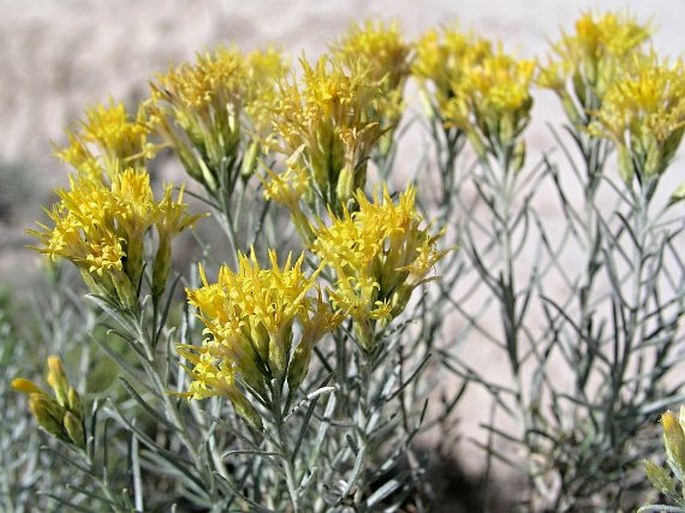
(261, 324)
(476, 88)
(584, 64)
(329, 121)
(497, 98)
(644, 114)
(215, 113)
(109, 141)
(442, 62)
(288, 189)
(380, 254)
(379, 50)
(101, 229)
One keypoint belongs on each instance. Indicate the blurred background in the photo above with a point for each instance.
(59, 56)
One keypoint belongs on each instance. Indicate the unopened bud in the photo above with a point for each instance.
(299, 365)
(57, 379)
(248, 412)
(674, 440)
(49, 414)
(74, 403)
(26, 386)
(74, 428)
(249, 163)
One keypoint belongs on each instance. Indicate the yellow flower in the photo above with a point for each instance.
(591, 59)
(330, 122)
(108, 141)
(288, 189)
(496, 94)
(252, 318)
(442, 61)
(379, 254)
(674, 439)
(170, 218)
(475, 87)
(644, 114)
(215, 113)
(204, 101)
(101, 229)
(264, 71)
(378, 50)
(60, 414)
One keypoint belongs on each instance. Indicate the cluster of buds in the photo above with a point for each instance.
(60, 413)
(261, 327)
(379, 253)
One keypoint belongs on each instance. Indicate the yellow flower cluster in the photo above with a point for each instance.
(108, 141)
(101, 229)
(60, 413)
(379, 254)
(379, 50)
(252, 318)
(643, 112)
(476, 88)
(590, 59)
(442, 60)
(200, 109)
(330, 122)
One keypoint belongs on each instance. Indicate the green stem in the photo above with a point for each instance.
(283, 446)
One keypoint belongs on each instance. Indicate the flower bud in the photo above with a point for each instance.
(74, 403)
(57, 379)
(674, 441)
(299, 365)
(49, 414)
(126, 292)
(26, 386)
(249, 163)
(74, 428)
(243, 408)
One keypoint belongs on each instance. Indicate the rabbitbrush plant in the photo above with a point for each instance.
(297, 363)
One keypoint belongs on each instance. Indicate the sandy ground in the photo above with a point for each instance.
(58, 56)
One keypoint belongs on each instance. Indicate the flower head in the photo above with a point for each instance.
(101, 229)
(215, 112)
(329, 121)
(496, 94)
(442, 61)
(252, 319)
(109, 141)
(379, 254)
(584, 64)
(475, 87)
(379, 49)
(644, 114)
